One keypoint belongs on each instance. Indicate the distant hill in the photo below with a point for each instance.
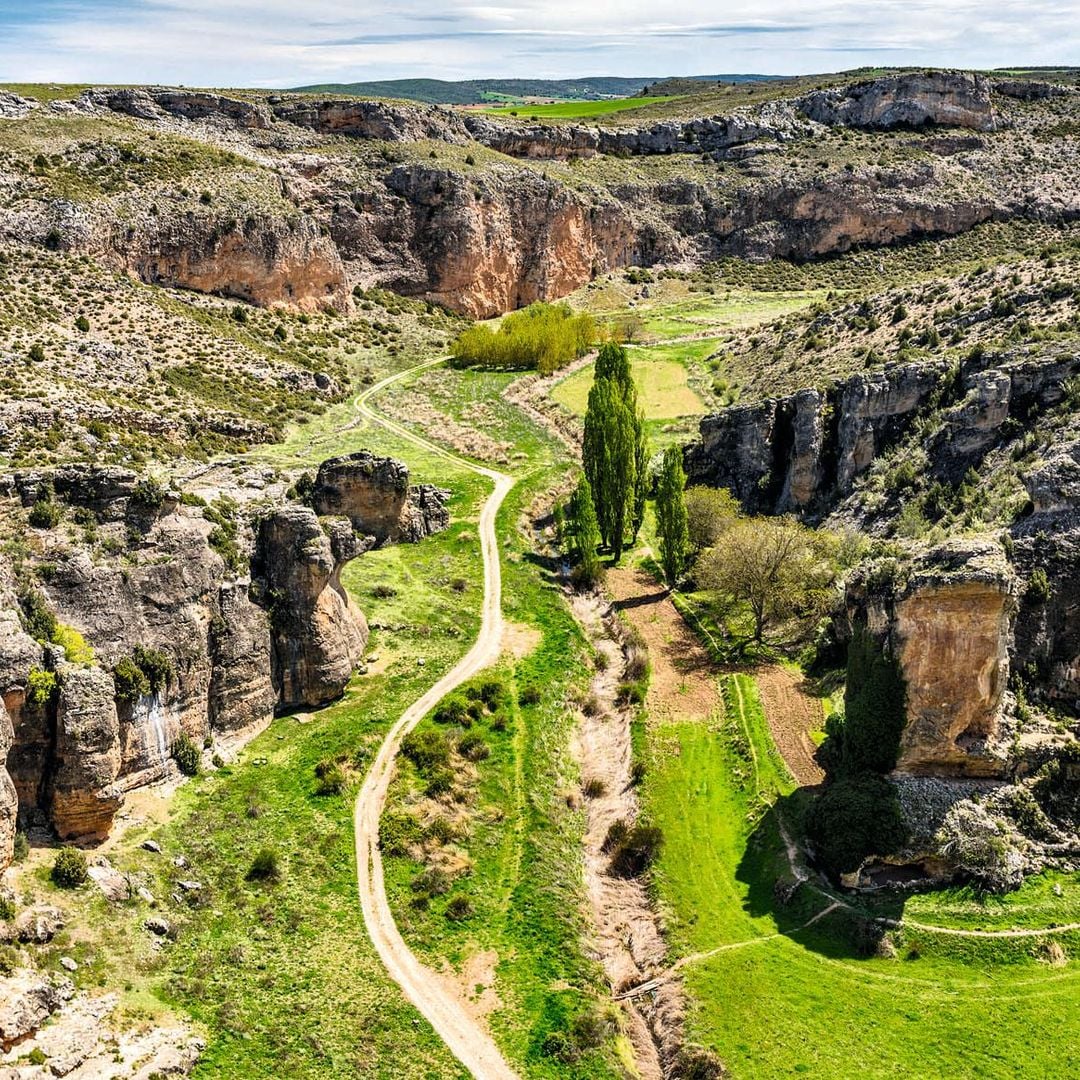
(475, 91)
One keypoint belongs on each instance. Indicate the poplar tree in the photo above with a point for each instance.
(671, 519)
(584, 534)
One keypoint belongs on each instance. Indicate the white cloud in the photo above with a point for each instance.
(282, 42)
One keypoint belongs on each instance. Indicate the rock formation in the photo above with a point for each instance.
(229, 650)
(318, 633)
(375, 495)
(946, 98)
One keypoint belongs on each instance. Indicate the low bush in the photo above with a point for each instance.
(440, 781)
(637, 852)
(22, 848)
(7, 908)
(530, 695)
(434, 881)
(331, 777)
(264, 867)
(41, 686)
(398, 832)
(427, 750)
(615, 837)
(186, 755)
(594, 787)
(454, 710)
(473, 747)
(459, 909)
(130, 681)
(45, 514)
(69, 871)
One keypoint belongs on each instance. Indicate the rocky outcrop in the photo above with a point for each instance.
(27, 1000)
(374, 493)
(801, 452)
(939, 98)
(318, 634)
(495, 242)
(952, 628)
(241, 693)
(1030, 89)
(14, 106)
(390, 122)
(155, 102)
(9, 797)
(87, 758)
(264, 260)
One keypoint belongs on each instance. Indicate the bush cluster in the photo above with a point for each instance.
(541, 336)
(69, 870)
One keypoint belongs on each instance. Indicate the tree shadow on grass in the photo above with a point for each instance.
(854, 930)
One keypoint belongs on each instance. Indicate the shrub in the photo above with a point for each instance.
(530, 695)
(697, 1063)
(82, 323)
(473, 747)
(453, 711)
(22, 848)
(45, 514)
(75, 646)
(130, 681)
(637, 851)
(434, 881)
(594, 787)
(1038, 587)
(491, 693)
(332, 779)
(186, 755)
(709, 513)
(427, 750)
(440, 781)
(149, 494)
(398, 832)
(41, 686)
(854, 817)
(459, 909)
(616, 836)
(7, 908)
(264, 867)
(69, 869)
(39, 621)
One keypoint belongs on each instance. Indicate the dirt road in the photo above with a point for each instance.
(469, 1042)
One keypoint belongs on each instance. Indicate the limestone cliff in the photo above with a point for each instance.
(9, 797)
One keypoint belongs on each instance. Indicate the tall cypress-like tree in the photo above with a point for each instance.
(615, 450)
(584, 534)
(671, 520)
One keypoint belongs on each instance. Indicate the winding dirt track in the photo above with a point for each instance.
(469, 1043)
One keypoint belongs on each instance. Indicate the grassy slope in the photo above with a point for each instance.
(575, 110)
(523, 839)
(805, 1002)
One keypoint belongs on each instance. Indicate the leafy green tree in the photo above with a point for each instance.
(609, 460)
(709, 512)
(584, 534)
(780, 569)
(671, 521)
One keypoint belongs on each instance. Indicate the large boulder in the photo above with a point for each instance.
(318, 633)
(27, 1000)
(375, 495)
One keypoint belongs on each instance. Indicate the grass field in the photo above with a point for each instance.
(778, 998)
(661, 377)
(576, 110)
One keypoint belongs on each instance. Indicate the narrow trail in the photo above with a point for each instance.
(466, 1039)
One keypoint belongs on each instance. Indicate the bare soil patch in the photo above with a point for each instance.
(683, 684)
(792, 714)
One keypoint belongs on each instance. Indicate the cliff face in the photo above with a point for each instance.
(485, 238)
(234, 650)
(487, 245)
(318, 634)
(265, 260)
(947, 98)
(952, 630)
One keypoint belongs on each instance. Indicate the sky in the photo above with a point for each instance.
(277, 43)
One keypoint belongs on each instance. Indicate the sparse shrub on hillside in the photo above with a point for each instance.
(69, 870)
(41, 686)
(45, 514)
(427, 750)
(473, 748)
(459, 909)
(264, 867)
(129, 679)
(21, 849)
(637, 852)
(331, 777)
(398, 831)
